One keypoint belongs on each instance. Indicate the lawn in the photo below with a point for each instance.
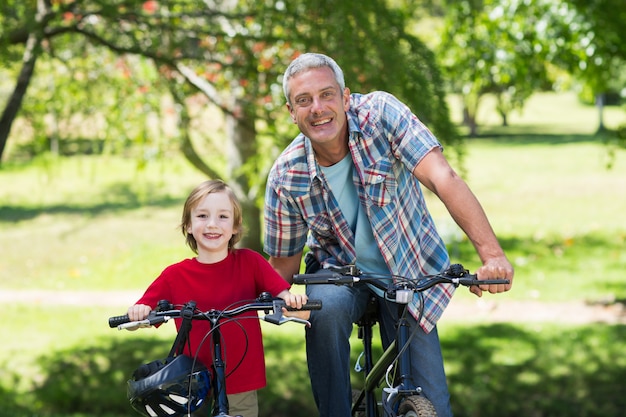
(105, 223)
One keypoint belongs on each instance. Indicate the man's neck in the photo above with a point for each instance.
(329, 155)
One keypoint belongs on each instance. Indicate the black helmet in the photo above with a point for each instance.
(170, 388)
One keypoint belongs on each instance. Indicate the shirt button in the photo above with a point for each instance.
(379, 177)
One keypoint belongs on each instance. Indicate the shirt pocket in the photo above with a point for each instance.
(380, 183)
(316, 216)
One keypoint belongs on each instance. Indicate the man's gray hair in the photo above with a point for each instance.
(308, 61)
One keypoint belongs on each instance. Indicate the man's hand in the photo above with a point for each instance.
(494, 268)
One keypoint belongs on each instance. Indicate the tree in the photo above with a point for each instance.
(510, 48)
(498, 47)
(233, 52)
(598, 58)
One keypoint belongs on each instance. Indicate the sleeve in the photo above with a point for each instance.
(410, 139)
(285, 230)
(158, 290)
(267, 278)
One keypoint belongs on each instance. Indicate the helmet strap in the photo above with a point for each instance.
(183, 332)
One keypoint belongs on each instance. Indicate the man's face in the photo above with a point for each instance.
(318, 106)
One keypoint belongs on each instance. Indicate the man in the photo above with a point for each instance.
(349, 187)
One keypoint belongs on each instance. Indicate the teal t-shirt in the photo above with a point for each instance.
(340, 179)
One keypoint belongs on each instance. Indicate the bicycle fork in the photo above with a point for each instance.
(220, 408)
(368, 394)
(404, 386)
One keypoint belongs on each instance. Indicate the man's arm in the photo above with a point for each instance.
(287, 267)
(436, 174)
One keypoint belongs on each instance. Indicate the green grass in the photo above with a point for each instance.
(95, 223)
(91, 223)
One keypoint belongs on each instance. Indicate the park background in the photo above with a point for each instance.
(104, 132)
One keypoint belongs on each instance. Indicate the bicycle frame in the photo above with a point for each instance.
(219, 377)
(374, 372)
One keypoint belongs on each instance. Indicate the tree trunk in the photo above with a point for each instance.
(505, 121)
(31, 53)
(600, 104)
(241, 147)
(469, 120)
(470, 110)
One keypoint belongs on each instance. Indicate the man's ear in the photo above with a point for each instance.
(291, 113)
(346, 99)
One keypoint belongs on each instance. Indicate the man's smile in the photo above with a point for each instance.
(321, 122)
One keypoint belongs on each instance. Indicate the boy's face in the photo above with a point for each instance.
(212, 226)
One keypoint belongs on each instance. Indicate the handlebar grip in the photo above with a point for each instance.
(117, 320)
(152, 320)
(310, 305)
(469, 281)
(323, 277)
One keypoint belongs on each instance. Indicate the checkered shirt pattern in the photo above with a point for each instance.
(386, 141)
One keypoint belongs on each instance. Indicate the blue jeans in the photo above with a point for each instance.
(328, 350)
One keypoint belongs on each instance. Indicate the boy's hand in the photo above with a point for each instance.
(295, 301)
(138, 312)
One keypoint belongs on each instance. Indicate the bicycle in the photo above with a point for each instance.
(400, 397)
(181, 385)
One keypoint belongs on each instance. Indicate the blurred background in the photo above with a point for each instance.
(113, 110)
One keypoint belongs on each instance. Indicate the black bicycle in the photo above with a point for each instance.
(180, 385)
(400, 397)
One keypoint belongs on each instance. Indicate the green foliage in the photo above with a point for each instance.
(601, 49)
(498, 47)
(92, 379)
(114, 107)
(231, 52)
(616, 141)
(513, 48)
(240, 49)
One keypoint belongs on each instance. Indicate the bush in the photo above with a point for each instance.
(92, 379)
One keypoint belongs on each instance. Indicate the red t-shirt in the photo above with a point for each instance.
(242, 275)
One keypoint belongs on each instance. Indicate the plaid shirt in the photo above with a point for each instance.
(386, 141)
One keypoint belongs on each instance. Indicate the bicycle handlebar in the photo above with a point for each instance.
(348, 275)
(260, 304)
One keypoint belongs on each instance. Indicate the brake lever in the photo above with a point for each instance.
(149, 321)
(278, 318)
(134, 325)
(297, 320)
(350, 270)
